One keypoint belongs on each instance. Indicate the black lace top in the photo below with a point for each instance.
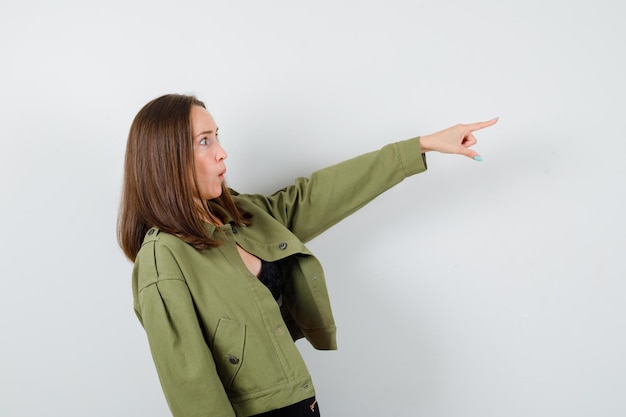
(272, 277)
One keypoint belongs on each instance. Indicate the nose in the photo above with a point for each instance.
(221, 153)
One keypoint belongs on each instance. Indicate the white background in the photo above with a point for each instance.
(474, 289)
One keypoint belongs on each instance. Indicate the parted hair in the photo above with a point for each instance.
(160, 188)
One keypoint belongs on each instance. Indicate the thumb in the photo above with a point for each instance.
(471, 154)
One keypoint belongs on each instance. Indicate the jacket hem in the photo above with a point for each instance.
(278, 396)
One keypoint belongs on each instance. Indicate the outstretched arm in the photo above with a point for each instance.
(456, 139)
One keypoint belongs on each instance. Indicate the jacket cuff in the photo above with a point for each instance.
(412, 158)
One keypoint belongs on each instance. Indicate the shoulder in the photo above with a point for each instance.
(163, 245)
(256, 204)
(159, 257)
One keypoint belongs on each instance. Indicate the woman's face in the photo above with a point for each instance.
(208, 153)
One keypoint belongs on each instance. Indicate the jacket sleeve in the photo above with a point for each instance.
(182, 357)
(312, 205)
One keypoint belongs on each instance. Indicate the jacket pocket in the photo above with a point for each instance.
(228, 347)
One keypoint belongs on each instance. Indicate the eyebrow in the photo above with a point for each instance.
(207, 132)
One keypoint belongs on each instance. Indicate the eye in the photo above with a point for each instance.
(204, 141)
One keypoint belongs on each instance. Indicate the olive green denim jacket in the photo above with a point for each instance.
(221, 344)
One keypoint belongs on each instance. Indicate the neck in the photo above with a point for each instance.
(207, 214)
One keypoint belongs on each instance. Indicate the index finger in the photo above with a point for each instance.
(481, 125)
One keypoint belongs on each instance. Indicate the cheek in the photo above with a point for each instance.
(205, 173)
(202, 168)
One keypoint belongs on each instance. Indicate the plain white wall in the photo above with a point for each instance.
(474, 289)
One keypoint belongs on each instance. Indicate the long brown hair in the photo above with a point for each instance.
(160, 185)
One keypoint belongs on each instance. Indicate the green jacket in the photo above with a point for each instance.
(221, 344)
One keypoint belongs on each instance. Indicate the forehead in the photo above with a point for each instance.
(201, 121)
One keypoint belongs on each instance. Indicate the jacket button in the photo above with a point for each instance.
(151, 231)
(282, 245)
(233, 360)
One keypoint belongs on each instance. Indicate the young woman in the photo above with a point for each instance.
(222, 282)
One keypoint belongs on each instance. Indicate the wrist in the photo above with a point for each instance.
(425, 142)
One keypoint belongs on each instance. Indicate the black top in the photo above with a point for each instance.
(272, 277)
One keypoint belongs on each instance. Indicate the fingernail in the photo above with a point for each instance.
(478, 158)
